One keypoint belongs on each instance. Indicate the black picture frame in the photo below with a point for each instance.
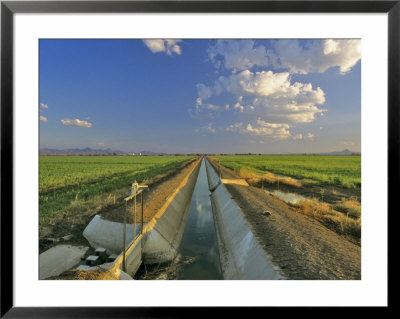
(9, 8)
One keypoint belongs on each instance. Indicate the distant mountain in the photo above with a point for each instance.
(344, 152)
(78, 151)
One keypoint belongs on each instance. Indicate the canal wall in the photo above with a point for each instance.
(160, 239)
(163, 234)
(241, 256)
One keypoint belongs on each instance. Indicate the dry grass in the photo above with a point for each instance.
(331, 218)
(77, 274)
(258, 179)
(351, 207)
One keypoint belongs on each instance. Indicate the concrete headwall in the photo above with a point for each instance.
(109, 235)
(241, 255)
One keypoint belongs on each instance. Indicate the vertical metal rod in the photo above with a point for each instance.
(134, 222)
(124, 260)
(141, 199)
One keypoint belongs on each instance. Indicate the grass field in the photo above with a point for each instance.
(327, 170)
(64, 180)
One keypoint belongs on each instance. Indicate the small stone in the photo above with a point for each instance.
(67, 237)
(266, 213)
(83, 267)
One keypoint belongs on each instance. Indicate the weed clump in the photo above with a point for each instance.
(270, 178)
(331, 218)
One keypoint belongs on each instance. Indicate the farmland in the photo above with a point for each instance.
(344, 171)
(66, 180)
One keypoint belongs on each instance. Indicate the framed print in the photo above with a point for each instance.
(220, 154)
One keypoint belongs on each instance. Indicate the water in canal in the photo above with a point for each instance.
(199, 239)
(198, 256)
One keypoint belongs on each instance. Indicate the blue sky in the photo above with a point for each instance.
(201, 96)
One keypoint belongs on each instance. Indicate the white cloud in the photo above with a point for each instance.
(203, 91)
(316, 55)
(237, 54)
(43, 119)
(269, 95)
(100, 144)
(262, 128)
(298, 137)
(206, 129)
(210, 129)
(235, 127)
(238, 106)
(296, 56)
(204, 111)
(310, 136)
(43, 106)
(168, 46)
(76, 122)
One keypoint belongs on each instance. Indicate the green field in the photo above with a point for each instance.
(327, 170)
(64, 179)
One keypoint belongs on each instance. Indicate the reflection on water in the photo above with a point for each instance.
(291, 198)
(199, 239)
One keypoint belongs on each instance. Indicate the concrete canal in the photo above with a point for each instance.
(198, 256)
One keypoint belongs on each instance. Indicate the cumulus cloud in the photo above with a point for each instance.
(43, 106)
(237, 127)
(204, 92)
(269, 102)
(296, 56)
(168, 46)
(204, 111)
(209, 128)
(237, 54)
(76, 122)
(308, 136)
(298, 137)
(269, 95)
(262, 128)
(316, 55)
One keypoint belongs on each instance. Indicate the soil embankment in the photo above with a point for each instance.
(301, 246)
(154, 197)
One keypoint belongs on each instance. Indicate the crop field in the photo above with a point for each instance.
(342, 171)
(65, 179)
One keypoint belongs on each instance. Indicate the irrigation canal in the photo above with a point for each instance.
(198, 256)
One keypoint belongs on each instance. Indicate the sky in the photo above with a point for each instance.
(201, 95)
